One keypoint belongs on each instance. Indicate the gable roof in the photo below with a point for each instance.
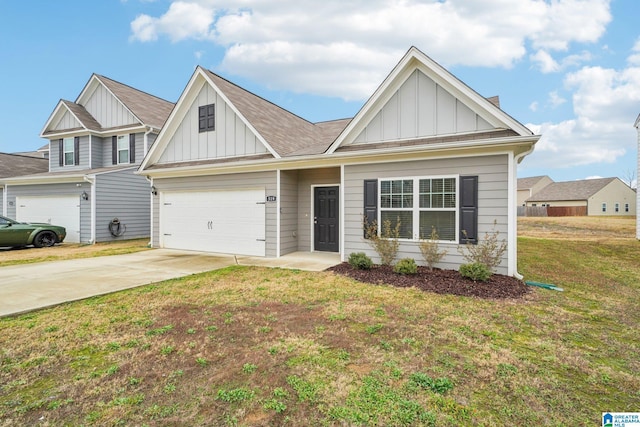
(19, 165)
(147, 109)
(415, 59)
(637, 123)
(530, 182)
(570, 190)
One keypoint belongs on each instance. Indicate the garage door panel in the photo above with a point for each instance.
(214, 221)
(57, 210)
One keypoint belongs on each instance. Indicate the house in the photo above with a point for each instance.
(604, 196)
(234, 173)
(527, 187)
(95, 144)
(16, 165)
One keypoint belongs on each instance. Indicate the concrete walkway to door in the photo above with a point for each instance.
(28, 287)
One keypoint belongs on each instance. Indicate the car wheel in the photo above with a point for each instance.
(44, 239)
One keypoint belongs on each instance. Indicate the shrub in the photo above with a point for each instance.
(406, 266)
(429, 249)
(488, 251)
(475, 271)
(360, 261)
(386, 244)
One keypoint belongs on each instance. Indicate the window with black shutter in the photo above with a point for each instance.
(207, 118)
(469, 209)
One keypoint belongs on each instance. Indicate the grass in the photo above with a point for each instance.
(255, 346)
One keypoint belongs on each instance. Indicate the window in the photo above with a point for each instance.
(207, 118)
(68, 151)
(420, 204)
(617, 207)
(123, 149)
(626, 207)
(604, 207)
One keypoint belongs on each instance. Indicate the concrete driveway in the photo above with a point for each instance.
(32, 286)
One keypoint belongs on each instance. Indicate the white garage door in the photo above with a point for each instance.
(214, 221)
(56, 210)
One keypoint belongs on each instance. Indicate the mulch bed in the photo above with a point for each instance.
(438, 281)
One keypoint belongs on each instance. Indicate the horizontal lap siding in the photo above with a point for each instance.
(125, 196)
(54, 156)
(288, 212)
(266, 180)
(492, 172)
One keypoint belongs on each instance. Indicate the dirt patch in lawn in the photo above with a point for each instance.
(438, 281)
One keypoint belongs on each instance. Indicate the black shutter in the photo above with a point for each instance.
(114, 150)
(76, 150)
(469, 209)
(132, 148)
(202, 119)
(61, 152)
(370, 202)
(211, 117)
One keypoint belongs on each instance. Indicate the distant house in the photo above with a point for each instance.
(592, 197)
(12, 165)
(96, 143)
(527, 187)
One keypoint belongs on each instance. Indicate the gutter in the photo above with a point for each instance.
(513, 209)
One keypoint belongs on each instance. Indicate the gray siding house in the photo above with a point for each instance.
(95, 146)
(235, 173)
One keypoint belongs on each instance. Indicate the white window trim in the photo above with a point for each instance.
(604, 207)
(65, 151)
(416, 206)
(125, 138)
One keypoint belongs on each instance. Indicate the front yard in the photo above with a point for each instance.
(255, 346)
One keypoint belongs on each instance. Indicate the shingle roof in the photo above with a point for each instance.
(18, 165)
(570, 190)
(153, 111)
(87, 120)
(287, 133)
(529, 182)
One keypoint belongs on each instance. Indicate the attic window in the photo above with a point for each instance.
(207, 118)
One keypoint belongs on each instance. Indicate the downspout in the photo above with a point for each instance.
(278, 213)
(150, 180)
(92, 200)
(146, 141)
(341, 213)
(90, 154)
(513, 213)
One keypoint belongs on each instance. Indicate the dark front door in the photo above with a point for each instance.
(325, 219)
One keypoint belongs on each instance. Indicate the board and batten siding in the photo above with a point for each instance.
(52, 190)
(67, 121)
(231, 137)
(492, 172)
(421, 108)
(266, 180)
(107, 110)
(288, 212)
(125, 196)
(307, 178)
(54, 156)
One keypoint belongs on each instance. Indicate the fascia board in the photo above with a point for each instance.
(55, 114)
(85, 131)
(432, 151)
(242, 117)
(36, 180)
(637, 123)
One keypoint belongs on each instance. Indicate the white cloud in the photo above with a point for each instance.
(556, 100)
(533, 106)
(605, 103)
(547, 64)
(323, 47)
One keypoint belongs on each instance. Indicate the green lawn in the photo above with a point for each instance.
(254, 346)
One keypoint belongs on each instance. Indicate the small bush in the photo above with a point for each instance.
(430, 251)
(406, 266)
(360, 261)
(475, 271)
(386, 244)
(488, 251)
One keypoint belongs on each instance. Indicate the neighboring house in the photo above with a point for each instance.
(12, 165)
(234, 173)
(42, 152)
(604, 196)
(527, 187)
(96, 144)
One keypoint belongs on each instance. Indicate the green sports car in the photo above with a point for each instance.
(14, 233)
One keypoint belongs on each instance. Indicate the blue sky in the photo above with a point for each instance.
(568, 69)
